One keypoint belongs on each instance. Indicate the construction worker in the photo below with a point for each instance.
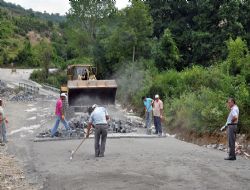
(98, 119)
(3, 121)
(158, 114)
(60, 115)
(148, 102)
(231, 126)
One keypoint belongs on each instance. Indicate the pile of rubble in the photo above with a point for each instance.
(239, 150)
(5, 91)
(221, 147)
(15, 94)
(79, 124)
(23, 97)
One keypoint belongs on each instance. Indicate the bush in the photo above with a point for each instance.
(56, 79)
(202, 111)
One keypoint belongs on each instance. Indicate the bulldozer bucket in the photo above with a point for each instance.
(82, 93)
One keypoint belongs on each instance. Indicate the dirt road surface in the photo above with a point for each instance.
(141, 164)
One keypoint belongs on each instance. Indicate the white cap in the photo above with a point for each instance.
(64, 95)
(94, 106)
(156, 96)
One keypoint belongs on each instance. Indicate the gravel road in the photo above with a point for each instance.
(146, 164)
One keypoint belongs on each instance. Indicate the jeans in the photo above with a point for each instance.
(100, 133)
(157, 123)
(58, 119)
(3, 132)
(148, 120)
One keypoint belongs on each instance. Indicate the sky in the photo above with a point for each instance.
(54, 6)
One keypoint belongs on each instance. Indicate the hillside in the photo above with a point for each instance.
(22, 31)
(17, 9)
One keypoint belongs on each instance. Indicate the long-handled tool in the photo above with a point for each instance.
(74, 151)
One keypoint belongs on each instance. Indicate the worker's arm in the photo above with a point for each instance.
(88, 129)
(161, 110)
(152, 102)
(107, 117)
(62, 114)
(6, 120)
(61, 110)
(234, 119)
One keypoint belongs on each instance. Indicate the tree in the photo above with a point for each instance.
(167, 54)
(88, 13)
(25, 56)
(200, 27)
(139, 21)
(46, 55)
(128, 40)
(237, 54)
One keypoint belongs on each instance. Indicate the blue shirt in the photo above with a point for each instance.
(148, 104)
(98, 116)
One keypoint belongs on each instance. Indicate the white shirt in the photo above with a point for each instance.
(233, 113)
(98, 116)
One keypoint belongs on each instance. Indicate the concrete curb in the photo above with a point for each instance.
(91, 137)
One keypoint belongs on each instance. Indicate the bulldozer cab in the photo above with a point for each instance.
(84, 89)
(81, 72)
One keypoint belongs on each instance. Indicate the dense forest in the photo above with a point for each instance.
(195, 54)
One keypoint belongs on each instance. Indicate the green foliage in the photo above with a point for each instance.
(25, 56)
(46, 55)
(55, 79)
(197, 111)
(237, 53)
(130, 37)
(167, 54)
(88, 13)
(18, 10)
(200, 27)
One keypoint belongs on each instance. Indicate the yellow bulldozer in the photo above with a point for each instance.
(84, 89)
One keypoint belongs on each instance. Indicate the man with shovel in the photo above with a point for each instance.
(60, 115)
(98, 119)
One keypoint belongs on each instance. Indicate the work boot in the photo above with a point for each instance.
(97, 154)
(101, 155)
(230, 158)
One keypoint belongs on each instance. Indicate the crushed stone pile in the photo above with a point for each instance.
(23, 97)
(79, 124)
(5, 91)
(15, 94)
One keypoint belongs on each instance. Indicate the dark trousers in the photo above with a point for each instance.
(231, 136)
(100, 134)
(157, 123)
